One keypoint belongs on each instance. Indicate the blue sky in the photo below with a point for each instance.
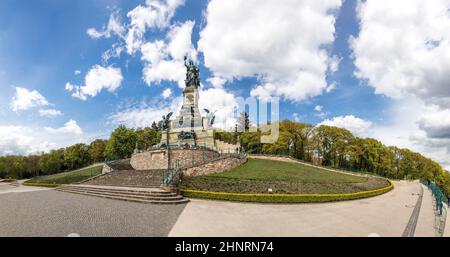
(336, 80)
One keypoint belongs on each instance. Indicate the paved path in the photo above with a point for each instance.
(17, 188)
(427, 218)
(385, 215)
(447, 225)
(53, 213)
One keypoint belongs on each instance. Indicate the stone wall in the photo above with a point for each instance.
(157, 159)
(217, 166)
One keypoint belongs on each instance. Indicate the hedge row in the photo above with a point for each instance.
(7, 180)
(40, 184)
(285, 198)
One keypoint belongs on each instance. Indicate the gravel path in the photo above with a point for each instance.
(53, 213)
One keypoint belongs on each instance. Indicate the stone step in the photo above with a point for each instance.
(119, 194)
(141, 195)
(137, 194)
(156, 191)
(128, 199)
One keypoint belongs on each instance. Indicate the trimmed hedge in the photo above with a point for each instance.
(41, 184)
(8, 180)
(285, 198)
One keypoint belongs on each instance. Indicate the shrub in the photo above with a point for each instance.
(285, 198)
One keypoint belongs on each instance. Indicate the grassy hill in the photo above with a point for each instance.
(66, 177)
(257, 176)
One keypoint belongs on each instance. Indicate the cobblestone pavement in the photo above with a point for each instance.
(53, 213)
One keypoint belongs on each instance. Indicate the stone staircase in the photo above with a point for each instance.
(130, 194)
(129, 178)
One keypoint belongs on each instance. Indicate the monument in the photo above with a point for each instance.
(188, 139)
(189, 128)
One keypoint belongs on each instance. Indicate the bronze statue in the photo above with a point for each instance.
(192, 74)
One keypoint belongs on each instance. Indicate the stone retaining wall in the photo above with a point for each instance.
(157, 159)
(217, 166)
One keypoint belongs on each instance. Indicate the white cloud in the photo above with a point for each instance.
(167, 93)
(357, 126)
(49, 113)
(281, 44)
(24, 140)
(114, 27)
(436, 122)
(404, 48)
(403, 51)
(154, 14)
(97, 79)
(320, 112)
(144, 114)
(77, 72)
(165, 61)
(26, 99)
(217, 81)
(70, 127)
(225, 103)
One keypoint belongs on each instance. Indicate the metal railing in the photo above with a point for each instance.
(438, 195)
(440, 202)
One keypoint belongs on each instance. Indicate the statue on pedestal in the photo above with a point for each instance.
(192, 74)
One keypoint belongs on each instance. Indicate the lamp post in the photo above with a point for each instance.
(166, 126)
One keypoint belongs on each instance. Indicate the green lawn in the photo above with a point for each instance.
(257, 176)
(67, 177)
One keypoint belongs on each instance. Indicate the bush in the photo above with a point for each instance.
(41, 184)
(285, 198)
(8, 180)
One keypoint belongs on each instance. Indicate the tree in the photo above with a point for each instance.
(52, 162)
(122, 143)
(76, 156)
(148, 137)
(97, 150)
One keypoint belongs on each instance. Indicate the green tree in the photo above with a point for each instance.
(122, 143)
(148, 137)
(76, 156)
(97, 150)
(52, 162)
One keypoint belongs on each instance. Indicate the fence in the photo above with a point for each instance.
(440, 202)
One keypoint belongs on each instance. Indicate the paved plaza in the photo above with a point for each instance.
(53, 213)
(385, 215)
(28, 211)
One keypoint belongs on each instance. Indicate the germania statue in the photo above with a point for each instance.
(192, 74)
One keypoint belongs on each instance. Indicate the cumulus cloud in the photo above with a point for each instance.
(26, 99)
(70, 127)
(280, 44)
(165, 60)
(50, 113)
(24, 140)
(404, 48)
(436, 122)
(114, 27)
(355, 125)
(143, 114)
(154, 14)
(97, 79)
(223, 103)
(403, 51)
